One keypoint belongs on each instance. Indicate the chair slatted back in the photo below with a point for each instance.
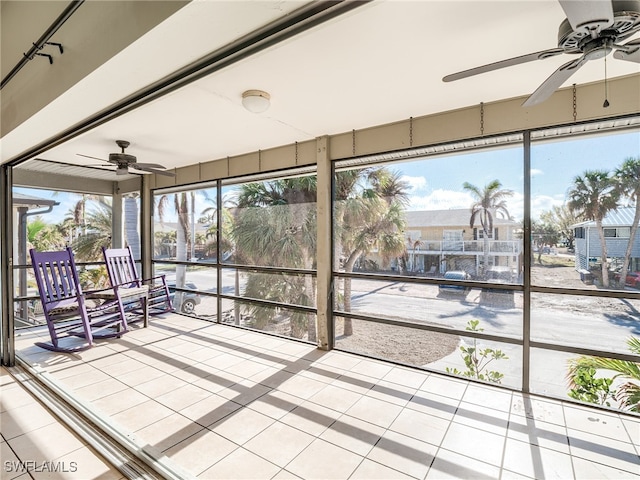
(56, 277)
(121, 267)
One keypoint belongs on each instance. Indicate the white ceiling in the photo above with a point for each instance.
(380, 63)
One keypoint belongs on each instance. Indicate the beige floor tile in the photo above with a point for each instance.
(546, 410)
(154, 388)
(633, 428)
(24, 419)
(241, 464)
(341, 360)
(536, 432)
(392, 392)
(355, 382)
(588, 470)
(536, 462)
(483, 418)
(407, 455)
(279, 443)
(489, 397)
(242, 425)
(453, 465)
(141, 415)
(372, 368)
(82, 464)
(98, 390)
(141, 375)
(199, 452)
(246, 368)
(447, 387)
(311, 418)
(301, 387)
(167, 432)
(46, 443)
(244, 392)
(323, 460)
(11, 467)
(369, 470)
(375, 411)
(285, 475)
(87, 378)
(275, 404)
(119, 401)
(471, 442)
(181, 397)
(605, 450)
(272, 377)
(432, 404)
(335, 398)
(14, 396)
(209, 378)
(406, 377)
(594, 421)
(210, 410)
(421, 426)
(355, 435)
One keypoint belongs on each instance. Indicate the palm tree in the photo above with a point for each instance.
(275, 225)
(181, 205)
(489, 201)
(593, 195)
(369, 214)
(96, 231)
(628, 394)
(627, 178)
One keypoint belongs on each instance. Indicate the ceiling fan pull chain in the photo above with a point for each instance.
(482, 119)
(606, 89)
(411, 131)
(575, 104)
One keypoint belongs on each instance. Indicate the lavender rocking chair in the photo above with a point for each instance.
(121, 267)
(69, 312)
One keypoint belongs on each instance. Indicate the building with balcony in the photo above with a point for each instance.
(441, 240)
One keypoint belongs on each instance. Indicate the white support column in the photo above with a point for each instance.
(324, 254)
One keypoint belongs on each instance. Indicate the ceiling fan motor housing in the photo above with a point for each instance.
(122, 158)
(626, 22)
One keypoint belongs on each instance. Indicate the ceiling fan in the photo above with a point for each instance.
(124, 161)
(591, 29)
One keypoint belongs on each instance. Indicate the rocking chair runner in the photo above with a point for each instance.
(122, 271)
(65, 306)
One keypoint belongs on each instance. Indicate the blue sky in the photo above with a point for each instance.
(436, 183)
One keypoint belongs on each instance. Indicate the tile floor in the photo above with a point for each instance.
(220, 402)
(34, 443)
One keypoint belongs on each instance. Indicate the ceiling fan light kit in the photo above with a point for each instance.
(256, 101)
(592, 29)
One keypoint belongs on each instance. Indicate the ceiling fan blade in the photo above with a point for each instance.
(153, 170)
(630, 54)
(554, 82)
(148, 165)
(594, 15)
(94, 158)
(504, 63)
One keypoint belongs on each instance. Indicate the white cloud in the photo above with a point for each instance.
(415, 183)
(536, 171)
(440, 200)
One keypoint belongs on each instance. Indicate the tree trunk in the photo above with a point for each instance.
(348, 268)
(605, 263)
(627, 253)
